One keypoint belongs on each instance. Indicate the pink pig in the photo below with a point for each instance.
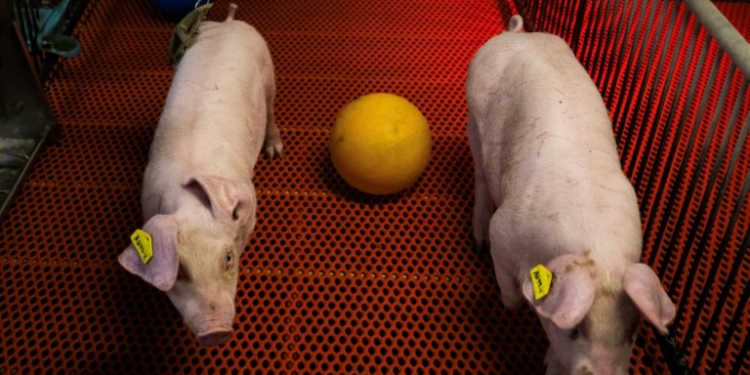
(550, 190)
(198, 197)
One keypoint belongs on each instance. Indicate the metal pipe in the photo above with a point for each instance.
(739, 361)
(694, 180)
(738, 260)
(620, 55)
(646, 200)
(710, 224)
(604, 47)
(730, 40)
(637, 133)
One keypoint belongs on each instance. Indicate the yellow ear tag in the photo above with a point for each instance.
(541, 277)
(142, 242)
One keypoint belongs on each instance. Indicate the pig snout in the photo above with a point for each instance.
(213, 332)
(215, 336)
(213, 326)
(208, 315)
(601, 364)
(599, 370)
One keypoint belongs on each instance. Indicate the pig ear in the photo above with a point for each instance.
(644, 288)
(161, 270)
(228, 200)
(571, 294)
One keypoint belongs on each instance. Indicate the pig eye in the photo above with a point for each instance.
(235, 216)
(182, 274)
(573, 335)
(230, 258)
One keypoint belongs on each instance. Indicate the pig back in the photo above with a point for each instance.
(548, 149)
(215, 115)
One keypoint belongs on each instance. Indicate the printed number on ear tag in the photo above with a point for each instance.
(541, 277)
(142, 242)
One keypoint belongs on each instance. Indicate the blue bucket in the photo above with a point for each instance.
(177, 9)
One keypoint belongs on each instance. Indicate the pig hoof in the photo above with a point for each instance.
(479, 247)
(214, 338)
(274, 152)
(510, 303)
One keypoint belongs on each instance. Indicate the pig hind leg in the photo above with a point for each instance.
(482, 201)
(272, 144)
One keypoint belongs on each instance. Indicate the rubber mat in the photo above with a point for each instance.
(332, 281)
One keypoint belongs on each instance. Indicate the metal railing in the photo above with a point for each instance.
(674, 75)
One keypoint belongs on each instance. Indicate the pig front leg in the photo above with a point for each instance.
(509, 291)
(552, 365)
(483, 206)
(272, 144)
(506, 269)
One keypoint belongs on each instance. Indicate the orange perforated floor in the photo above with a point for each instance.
(333, 281)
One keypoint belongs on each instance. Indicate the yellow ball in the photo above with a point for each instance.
(380, 143)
